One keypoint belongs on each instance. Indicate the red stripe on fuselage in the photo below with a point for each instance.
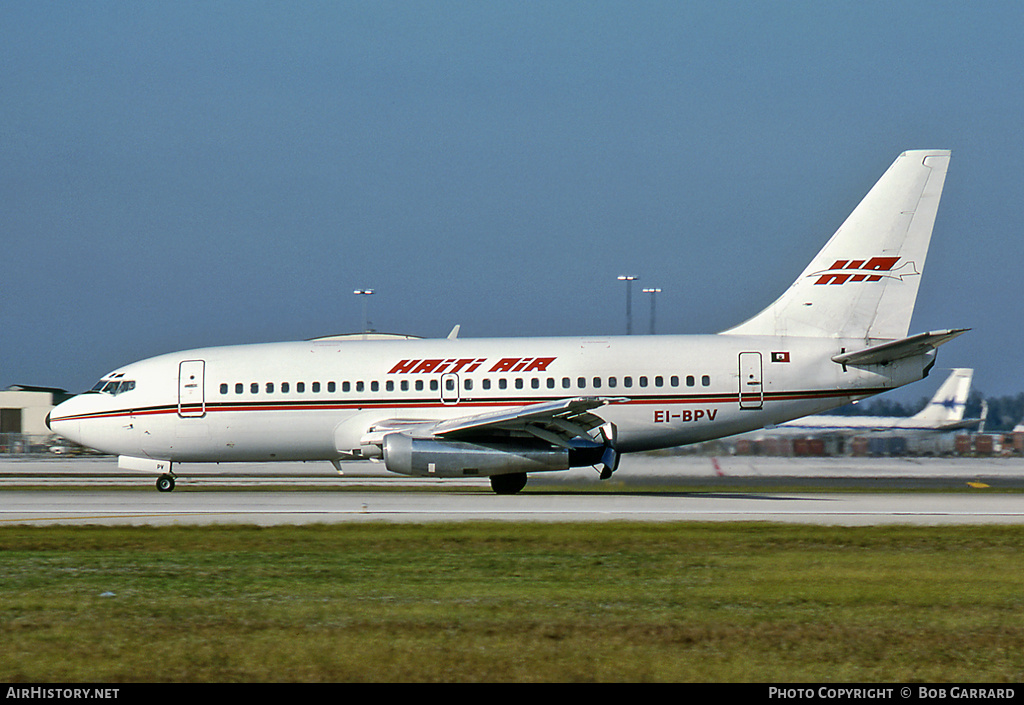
(364, 404)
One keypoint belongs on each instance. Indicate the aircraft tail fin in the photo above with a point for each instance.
(950, 400)
(864, 281)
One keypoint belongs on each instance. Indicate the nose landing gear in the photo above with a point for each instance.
(165, 483)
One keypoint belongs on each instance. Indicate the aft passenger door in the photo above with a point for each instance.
(751, 387)
(191, 397)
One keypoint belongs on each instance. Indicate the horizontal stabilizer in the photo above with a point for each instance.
(898, 349)
(957, 425)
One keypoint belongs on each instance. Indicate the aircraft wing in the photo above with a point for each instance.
(557, 422)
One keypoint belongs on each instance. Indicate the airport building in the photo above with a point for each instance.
(23, 411)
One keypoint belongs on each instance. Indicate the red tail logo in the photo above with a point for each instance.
(859, 270)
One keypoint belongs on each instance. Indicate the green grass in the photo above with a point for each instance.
(512, 602)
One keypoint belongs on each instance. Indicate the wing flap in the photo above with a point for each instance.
(557, 422)
(564, 418)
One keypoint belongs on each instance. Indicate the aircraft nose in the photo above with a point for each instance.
(59, 424)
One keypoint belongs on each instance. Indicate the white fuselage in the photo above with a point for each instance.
(317, 400)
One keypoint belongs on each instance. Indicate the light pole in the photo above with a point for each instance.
(364, 293)
(653, 293)
(629, 301)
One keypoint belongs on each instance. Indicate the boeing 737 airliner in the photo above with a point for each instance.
(506, 407)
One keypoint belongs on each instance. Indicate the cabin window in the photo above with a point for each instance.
(643, 381)
(535, 383)
(300, 387)
(612, 382)
(690, 381)
(597, 382)
(487, 384)
(434, 386)
(389, 386)
(270, 387)
(519, 383)
(419, 385)
(331, 387)
(254, 387)
(705, 380)
(627, 381)
(405, 385)
(468, 384)
(551, 382)
(223, 388)
(359, 386)
(565, 383)
(316, 387)
(239, 388)
(659, 381)
(674, 380)
(502, 383)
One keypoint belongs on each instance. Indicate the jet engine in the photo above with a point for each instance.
(437, 457)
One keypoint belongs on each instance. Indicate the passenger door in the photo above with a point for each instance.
(191, 397)
(751, 387)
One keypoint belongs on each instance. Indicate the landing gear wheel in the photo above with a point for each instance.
(508, 484)
(165, 483)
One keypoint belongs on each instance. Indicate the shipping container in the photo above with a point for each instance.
(984, 445)
(859, 446)
(963, 445)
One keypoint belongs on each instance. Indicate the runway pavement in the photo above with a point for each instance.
(646, 488)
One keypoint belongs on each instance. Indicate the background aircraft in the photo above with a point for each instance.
(944, 412)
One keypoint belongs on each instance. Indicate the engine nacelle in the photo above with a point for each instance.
(440, 458)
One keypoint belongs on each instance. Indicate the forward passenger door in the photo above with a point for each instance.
(191, 397)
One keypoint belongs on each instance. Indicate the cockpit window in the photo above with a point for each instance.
(114, 386)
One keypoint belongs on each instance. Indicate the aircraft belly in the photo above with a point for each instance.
(109, 435)
(246, 436)
(653, 426)
(290, 435)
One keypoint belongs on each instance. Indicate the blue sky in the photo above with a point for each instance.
(183, 174)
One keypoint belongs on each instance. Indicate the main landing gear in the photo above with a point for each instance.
(508, 484)
(165, 483)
